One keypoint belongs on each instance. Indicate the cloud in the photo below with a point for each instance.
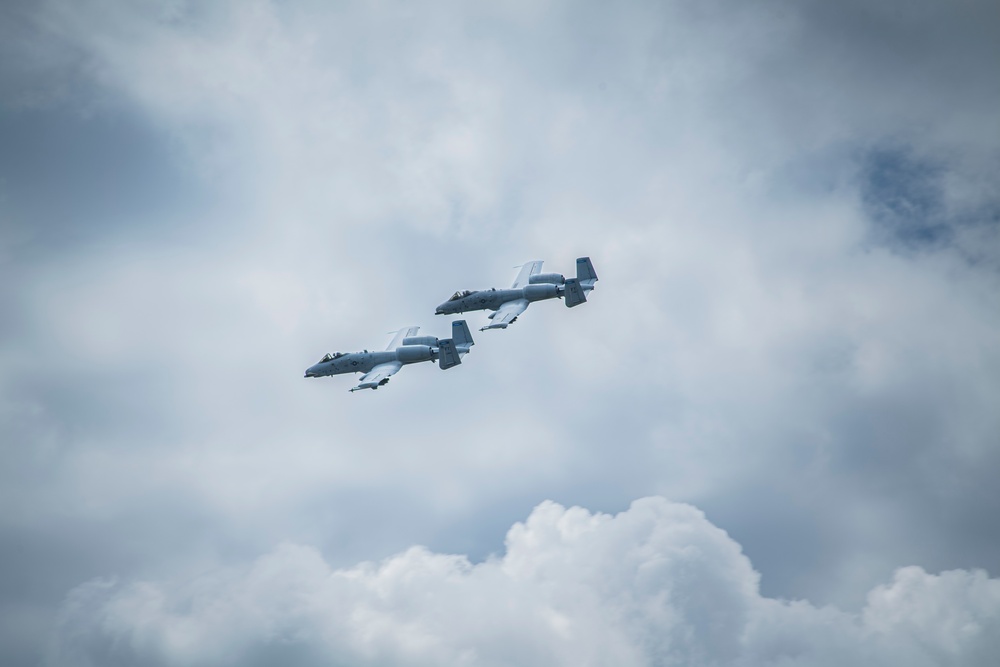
(792, 207)
(657, 584)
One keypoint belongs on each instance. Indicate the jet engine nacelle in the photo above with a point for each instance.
(551, 278)
(409, 354)
(430, 341)
(539, 292)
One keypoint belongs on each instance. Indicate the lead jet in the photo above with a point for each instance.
(530, 285)
(406, 348)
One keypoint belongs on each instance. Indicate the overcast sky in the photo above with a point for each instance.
(771, 436)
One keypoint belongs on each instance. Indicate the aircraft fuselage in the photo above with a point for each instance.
(491, 299)
(351, 362)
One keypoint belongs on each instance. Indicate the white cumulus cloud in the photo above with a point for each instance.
(657, 584)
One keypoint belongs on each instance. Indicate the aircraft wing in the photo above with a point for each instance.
(507, 313)
(405, 332)
(527, 270)
(379, 375)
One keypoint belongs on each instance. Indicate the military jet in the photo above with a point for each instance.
(406, 348)
(530, 285)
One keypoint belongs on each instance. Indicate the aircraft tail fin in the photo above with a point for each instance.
(573, 293)
(575, 290)
(448, 354)
(460, 333)
(585, 272)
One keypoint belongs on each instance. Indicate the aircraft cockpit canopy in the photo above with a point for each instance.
(460, 294)
(331, 357)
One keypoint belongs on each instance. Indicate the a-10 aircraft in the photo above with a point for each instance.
(406, 348)
(530, 285)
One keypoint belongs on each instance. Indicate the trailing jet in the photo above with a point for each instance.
(406, 348)
(530, 285)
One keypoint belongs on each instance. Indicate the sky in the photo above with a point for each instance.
(770, 437)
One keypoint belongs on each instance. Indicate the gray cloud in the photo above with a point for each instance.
(298, 178)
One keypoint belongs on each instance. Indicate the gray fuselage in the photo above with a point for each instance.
(491, 299)
(362, 362)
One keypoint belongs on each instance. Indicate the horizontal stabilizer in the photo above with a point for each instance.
(574, 293)
(448, 354)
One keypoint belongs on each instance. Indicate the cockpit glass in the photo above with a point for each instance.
(460, 294)
(330, 357)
